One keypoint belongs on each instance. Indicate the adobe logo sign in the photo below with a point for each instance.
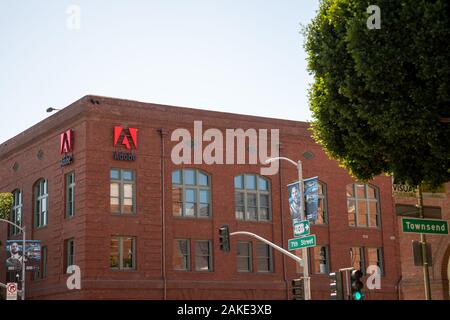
(125, 138)
(66, 140)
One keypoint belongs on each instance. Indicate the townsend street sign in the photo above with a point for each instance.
(425, 226)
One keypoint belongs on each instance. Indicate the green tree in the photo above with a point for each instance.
(379, 95)
(6, 200)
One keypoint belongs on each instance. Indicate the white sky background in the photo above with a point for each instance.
(235, 56)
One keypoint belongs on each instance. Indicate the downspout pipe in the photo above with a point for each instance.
(163, 133)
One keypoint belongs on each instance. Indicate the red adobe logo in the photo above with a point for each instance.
(66, 141)
(123, 136)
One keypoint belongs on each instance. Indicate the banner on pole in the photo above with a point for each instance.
(16, 255)
(310, 199)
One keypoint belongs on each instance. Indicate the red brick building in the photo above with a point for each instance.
(145, 228)
(437, 206)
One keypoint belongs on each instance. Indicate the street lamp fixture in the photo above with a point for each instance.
(51, 109)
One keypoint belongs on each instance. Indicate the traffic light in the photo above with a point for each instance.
(356, 285)
(298, 289)
(336, 286)
(224, 238)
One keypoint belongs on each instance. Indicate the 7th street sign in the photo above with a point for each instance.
(301, 228)
(425, 226)
(305, 242)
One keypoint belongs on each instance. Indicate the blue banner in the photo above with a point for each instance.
(311, 198)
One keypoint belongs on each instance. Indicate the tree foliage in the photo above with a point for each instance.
(379, 94)
(6, 201)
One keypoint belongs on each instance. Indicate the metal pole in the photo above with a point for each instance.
(423, 244)
(304, 250)
(23, 262)
(273, 245)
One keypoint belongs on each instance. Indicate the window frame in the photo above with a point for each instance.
(249, 257)
(16, 210)
(362, 258)
(367, 202)
(257, 192)
(380, 258)
(121, 182)
(324, 197)
(42, 272)
(70, 191)
(186, 257)
(268, 258)
(327, 259)
(69, 253)
(40, 216)
(210, 257)
(197, 187)
(121, 255)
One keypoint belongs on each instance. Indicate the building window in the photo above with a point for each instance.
(122, 191)
(252, 198)
(41, 203)
(16, 213)
(244, 256)
(69, 253)
(191, 195)
(375, 258)
(123, 253)
(203, 257)
(320, 260)
(41, 273)
(70, 195)
(263, 257)
(322, 210)
(357, 258)
(181, 256)
(363, 205)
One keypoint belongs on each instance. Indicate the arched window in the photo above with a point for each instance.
(16, 212)
(191, 193)
(252, 198)
(363, 205)
(41, 203)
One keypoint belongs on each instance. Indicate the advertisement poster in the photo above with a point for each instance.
(311, 199)
(14, 249)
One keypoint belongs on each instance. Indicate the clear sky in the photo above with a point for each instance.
(234, 56)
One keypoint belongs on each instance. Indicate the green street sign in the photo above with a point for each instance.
(425, 226)
(301, 228)
(305, 242)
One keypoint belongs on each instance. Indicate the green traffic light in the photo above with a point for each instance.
(358, 295)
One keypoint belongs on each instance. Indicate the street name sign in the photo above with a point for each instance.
(305, 242)
(411, 225)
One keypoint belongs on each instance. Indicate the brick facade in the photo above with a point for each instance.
(92, 119)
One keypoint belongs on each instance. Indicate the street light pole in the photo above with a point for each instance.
(23, 253)
(306, 277)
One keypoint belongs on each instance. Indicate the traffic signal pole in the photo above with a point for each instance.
(423, 244)
(273, 245)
